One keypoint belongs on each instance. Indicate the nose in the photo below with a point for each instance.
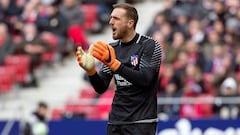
(111, 21)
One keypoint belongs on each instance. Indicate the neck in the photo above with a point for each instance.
(128, 37)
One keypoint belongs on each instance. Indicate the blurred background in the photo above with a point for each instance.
(41, 81)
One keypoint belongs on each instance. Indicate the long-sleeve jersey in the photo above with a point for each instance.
(135, 99)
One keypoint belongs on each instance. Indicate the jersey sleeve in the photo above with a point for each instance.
(100, 81)
(149, 65)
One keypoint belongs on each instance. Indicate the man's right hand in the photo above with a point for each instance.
(86, 60)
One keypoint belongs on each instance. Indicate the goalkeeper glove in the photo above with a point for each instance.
(86, 60)
(106, 54)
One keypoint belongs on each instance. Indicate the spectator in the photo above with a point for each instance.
(170, 110)
(168, 11)
(195, 31)
(33, 46)
(228, 89)
(166, 29)
(213, 39)
(231, 7)
(191, 8)
(181, 24)
(219, 27)
(231, 44)
(218, 11)
(237, 65)
(193, 82)
(181, 63)
(167, 75)
(170, 49)
(12, 9)
(6, 44)
(219, 66)
(195, 55)
(178, 43)
(193, 87)
(48, 2)
(232, 25)
(1, 12)
(50, 21)
(158, 20)
(29, 15)
(36, 123)
(238, 18)
(70, 9)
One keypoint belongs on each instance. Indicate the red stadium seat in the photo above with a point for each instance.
(93, 113)
(90, 13)
(56, 114)
(199, 109)
(206, 108)
(20, 63)
(52, 40)
(87, 93)
(88, 111)
(6, 79)
(75, 108)
(104, 103)
(84, 105)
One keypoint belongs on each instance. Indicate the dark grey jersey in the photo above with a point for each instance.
(135, 98)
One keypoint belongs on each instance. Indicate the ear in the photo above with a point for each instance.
(130, 23)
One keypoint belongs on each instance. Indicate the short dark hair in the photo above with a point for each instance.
(131, 11)
(42, 104)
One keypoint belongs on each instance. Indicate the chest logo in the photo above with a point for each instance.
(134, 59)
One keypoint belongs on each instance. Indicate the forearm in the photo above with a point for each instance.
(98, 83)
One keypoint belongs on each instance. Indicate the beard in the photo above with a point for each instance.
(120, 33)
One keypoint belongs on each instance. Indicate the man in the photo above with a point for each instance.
(33, 46)
(134, 62)
(36, 124)
(6, 43)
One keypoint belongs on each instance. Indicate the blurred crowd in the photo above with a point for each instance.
(201, 56)
(43, 32)
(39, 33)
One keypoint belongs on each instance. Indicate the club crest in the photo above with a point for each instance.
(134, 59)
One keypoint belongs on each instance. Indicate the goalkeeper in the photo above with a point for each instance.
(134, 62)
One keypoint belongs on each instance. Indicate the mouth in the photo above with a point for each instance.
(114, 30)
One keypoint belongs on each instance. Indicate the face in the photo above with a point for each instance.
(183, 58)
(43, 111)
(190, 70)
(178, 39)
(217, 51)
(30, 29)
(158, 35)
(191, 47)
(3, 30)
(69, 3)
(120, 23)
(213, 37)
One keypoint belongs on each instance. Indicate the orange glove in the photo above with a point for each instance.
(86, 60)
(106, 54)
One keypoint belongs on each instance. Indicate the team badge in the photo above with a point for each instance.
(134, 59)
